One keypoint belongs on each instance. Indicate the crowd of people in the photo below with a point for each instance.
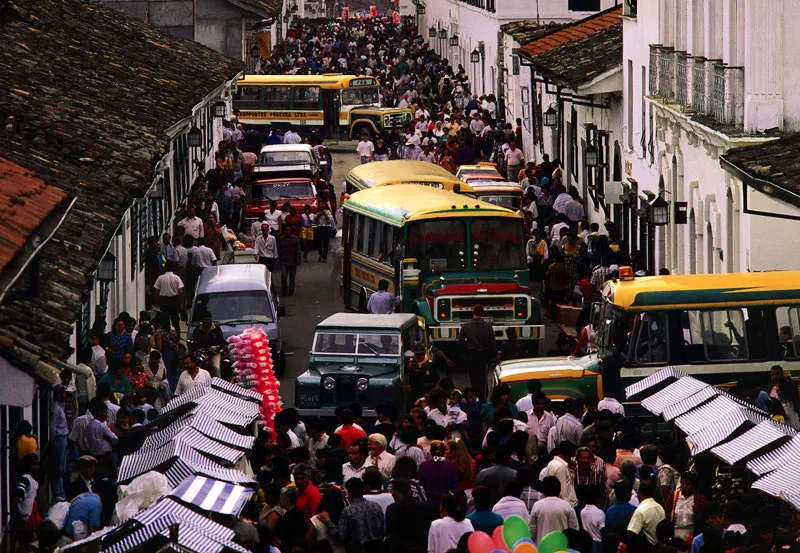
(421, 477)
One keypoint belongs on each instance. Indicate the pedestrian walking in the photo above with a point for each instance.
(324, 229)
(478, 346)
(265, 249)
(290, 254)
(365, 150)
(514, 160)
(169, 290)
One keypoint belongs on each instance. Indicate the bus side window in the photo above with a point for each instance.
(276, 97)
(306, 97)
(724, 335)
(376, 241)
(788, 319)
(649, 339)
(248, 97)
(371, 230)
(358, 233)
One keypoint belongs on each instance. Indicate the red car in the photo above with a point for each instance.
(299, 192)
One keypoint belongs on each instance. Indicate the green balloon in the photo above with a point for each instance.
(514, 529)
(553, 542)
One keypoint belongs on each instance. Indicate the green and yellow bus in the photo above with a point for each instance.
(718, 328)
(442, 253)
(400, 171)
(336, 105)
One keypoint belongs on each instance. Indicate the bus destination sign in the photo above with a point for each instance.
(362, 82)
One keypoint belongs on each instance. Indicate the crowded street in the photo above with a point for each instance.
(360, 307)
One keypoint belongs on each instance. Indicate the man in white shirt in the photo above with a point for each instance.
(98, 363)
(568, 426)
(551, 513)
(441, 414)
(192, 225)
(291, 137)
(379, 457)
(373, 488)
(559, 468)
(540, 421)
(515, 159)
(169, 287)
(192, 376)
(525, 403)
(357, 464)
(203, 256)
(476, 125)
(365, 150)
(265, 249)
(611, 404)
(647, 515)
(561, 201)
(574, 209)
(273, 217)
(511, 504)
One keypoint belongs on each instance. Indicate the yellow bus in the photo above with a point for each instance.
(399, 171)
(442, 253)
(335, 105)
(718, 328)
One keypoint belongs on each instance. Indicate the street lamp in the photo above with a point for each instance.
(157, 193)
(550, 117)
(659, 211)
(195, 137)
(255, 52)
(107, 268)
(591, 156)
(475, 56)
(442, 34)
(454, 40)
(220, 110)
(432, 32)
(421, 9)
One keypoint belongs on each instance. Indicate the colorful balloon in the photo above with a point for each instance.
(525, 547)
(514, 529)
(499, 542)
(480, 542)
(553, 542)
(523, 540)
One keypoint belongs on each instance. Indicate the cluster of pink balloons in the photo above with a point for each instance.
(253, 369)
(514, 536)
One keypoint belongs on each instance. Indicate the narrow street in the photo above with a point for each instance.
(317, 294)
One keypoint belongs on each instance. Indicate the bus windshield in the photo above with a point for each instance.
(497, 245)
(282, 190)
(438, 245)
(607, 330)
(360, 96)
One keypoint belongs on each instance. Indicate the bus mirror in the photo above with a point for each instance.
(594, 316)
(411, 272)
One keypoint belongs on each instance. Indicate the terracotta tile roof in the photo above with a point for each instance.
(25, 202)
(580, 51)
(772, 167)
(575, 31)
(89, 94)
(526, 31)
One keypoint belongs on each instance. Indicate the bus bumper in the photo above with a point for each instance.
(449, 333)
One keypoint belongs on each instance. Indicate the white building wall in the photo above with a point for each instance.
(475, 25)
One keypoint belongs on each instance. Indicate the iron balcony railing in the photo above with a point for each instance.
(653, 70)
(681, 80)
(666, 73)
(699, 85)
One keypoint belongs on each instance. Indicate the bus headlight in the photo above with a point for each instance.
(443, 309)
(328, 384)
(521, 308)
(362, 384)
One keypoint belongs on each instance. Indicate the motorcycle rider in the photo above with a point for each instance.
(208, 336)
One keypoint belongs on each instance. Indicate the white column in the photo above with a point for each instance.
(763, 59)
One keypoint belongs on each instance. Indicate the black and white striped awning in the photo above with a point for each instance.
(675, 392)
(658, 379)
(699, 418)
(684, 406)
(213, 495)
(722, 429)
(730, 427)
(785, 455)
(188, 397)
(195, 532)
(204, 424)
(760, 436)
(244, 393)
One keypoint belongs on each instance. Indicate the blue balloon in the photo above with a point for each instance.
(498, 551)
(523, 540)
